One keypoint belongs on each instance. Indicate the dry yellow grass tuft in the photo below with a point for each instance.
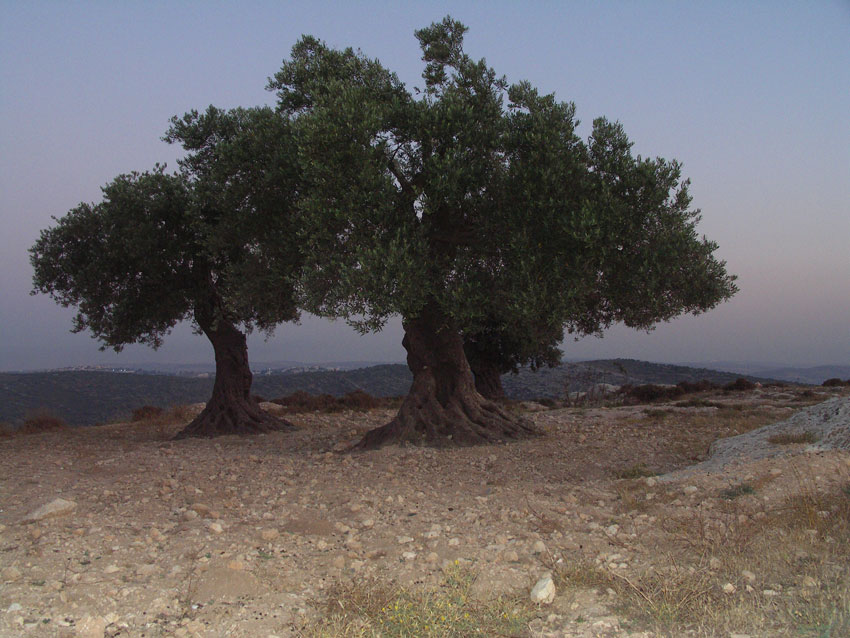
(375, 609)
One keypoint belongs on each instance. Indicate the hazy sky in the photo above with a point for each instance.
(752, 97)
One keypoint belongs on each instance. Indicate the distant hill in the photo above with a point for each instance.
(89, 397)
(578, 376)
(815, 375)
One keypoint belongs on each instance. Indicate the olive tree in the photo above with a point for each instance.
(472, 206)
(161, 248)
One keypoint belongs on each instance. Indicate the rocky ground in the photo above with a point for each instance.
(242, 536)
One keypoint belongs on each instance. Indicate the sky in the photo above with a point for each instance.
(753, 98)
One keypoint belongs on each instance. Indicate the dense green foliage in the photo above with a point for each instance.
(161, 248)
(478, 198)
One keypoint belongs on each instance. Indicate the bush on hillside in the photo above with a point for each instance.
(146, 413)
(835, 383)
(703, 385)
(41, 420)
(739, 385)
(300, 401)
(650, 392)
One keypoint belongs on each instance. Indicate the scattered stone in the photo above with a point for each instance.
(651, 481)
(539, 547)
(543, 591)
(511, 556)
(432, 557)
(269, 534)
(216, 528)
(612, 530)
(714, 563)
(404, 540)
(749, 576)
(11, 574)
(454, 542)
(190, 515)
(111, 569)
(729, 588)
(14, 607)
(339, 562)
(146, 570)
(808, 581)
(408, 555)
(369, 523)
(236, 565)
(219, 584)
(201, 509)
(53, 509)
(690, 489)
(91, 627)
(769, 593)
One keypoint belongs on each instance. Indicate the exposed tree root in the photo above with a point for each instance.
(220, 418)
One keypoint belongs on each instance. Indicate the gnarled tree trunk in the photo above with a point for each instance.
(443, 407)
(231, 409)
(488, 378)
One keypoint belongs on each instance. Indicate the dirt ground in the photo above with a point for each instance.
(242, 536)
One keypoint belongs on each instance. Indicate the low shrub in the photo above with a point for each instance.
(300, 401)
(740, 385)
(146, 413)
(793, 438)
(650, 393)
(703, 385)
(41, 420)
(358, 400)
(835, 382)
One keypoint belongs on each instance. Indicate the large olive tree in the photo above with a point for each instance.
(161, 248)
(472, 206)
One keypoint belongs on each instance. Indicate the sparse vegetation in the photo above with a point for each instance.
(651, 393)
(740, 385)
(639, 470)
(358, 400)
(146, 413)
(835, 382)
(41, 420)
(780, 573)
(373, 609)
(793, 438)
(742, 489)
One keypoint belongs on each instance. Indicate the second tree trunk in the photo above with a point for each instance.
(443, 407)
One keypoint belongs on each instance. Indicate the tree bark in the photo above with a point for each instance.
(442, 407)
(231, 409)
(488, 379)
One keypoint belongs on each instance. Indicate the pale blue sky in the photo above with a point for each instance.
(752, 97)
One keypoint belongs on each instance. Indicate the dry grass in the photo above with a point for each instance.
(780, 571)
(793, 438)
(161, 422)
(357, 400)
(375, 609)
(40, 420)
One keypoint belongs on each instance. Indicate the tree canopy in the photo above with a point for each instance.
(161, 248)
(472, 207)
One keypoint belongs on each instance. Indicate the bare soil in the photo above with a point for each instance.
(241, 536)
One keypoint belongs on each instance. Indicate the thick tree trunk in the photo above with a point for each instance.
(231, 409)
(488, 379)
(443, 407)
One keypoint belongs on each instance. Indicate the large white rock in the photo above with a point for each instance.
(544, 591)
(56, 507)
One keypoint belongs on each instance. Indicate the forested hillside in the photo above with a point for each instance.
(88, 397)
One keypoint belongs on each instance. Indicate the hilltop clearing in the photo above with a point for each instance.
(282, 535)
